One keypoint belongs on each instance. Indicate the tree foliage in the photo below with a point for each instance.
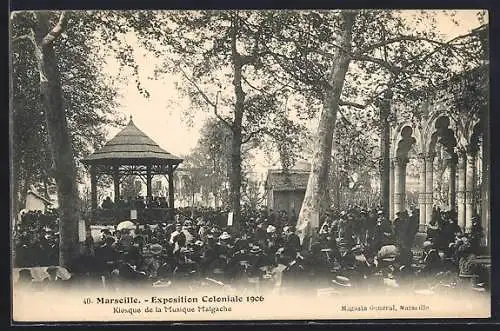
(130, 187)
(219, 56)
(89, 95)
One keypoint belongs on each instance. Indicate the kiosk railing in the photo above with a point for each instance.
(145, 215)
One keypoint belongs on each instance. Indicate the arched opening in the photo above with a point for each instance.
(404, 152)
(441, 170)
(473, 178)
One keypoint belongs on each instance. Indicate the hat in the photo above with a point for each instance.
(389, 259)
(270, 229)
(255, 250)
(155, 249)
(357, 248)
(427, 244)
(218, 271)
(162, 283)
(380, 212)
(52, 270)
(186, 250)
(342, 213)
(225, 236)
(342, 281)
(199, 243)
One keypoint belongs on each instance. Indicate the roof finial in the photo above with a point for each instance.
(131, 118)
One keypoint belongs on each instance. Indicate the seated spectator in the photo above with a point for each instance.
(431, 259)
(107, 203)
(25, 278)
(163, 202)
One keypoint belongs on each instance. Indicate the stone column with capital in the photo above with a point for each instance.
(391, 190)
(470, 180)
(429, 187)
(462, 162)
(397, 186)
(421, 195)
(400, 183)
(485, 181)
(452, 196)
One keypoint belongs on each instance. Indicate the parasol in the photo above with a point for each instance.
(125, 225)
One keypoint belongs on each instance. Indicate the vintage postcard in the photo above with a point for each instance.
(209, 165)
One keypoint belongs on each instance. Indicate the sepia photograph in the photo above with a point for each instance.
(246, 165)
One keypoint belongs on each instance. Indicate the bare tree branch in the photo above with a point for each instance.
(205, 97)
(253, 134)
(56, 32)
(352, 104)
(250, 59)
(23, 37)
(405, 68)
(217, 114)
(392, 68)
(413, 38)
(255, 87)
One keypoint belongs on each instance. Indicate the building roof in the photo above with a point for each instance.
(131, 146)
(298, 167)
(294, 179)
(47, 201)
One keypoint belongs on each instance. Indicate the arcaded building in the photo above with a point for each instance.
(448, 143)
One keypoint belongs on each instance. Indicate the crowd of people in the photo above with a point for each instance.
(139, 202)
(350, 245)
(36, 238)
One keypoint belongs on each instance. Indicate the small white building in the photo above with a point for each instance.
(34, 202)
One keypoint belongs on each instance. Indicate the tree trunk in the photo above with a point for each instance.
(14, 166)
(315, 197)
(334, 184)
(384, 152)
(24, 187)
(58, 136)
(236, 177)
(236, 129)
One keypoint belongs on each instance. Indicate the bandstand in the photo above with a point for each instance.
(131, 153)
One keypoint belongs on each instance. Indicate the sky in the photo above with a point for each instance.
(161, 116)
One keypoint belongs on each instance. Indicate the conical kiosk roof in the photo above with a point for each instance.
(131, 146)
